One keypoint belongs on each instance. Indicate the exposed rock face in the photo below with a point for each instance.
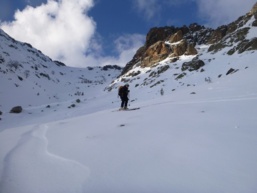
(174, 42)
(161, 50)
(254, 10)
(191, 50)
(164, 33)
(254, 13)
(136, 60)
(158, 34)
(176, 37)
(247, 45)
(168, 42)
(183, 47)
(155, 53)
(218, 34)
(180, 48)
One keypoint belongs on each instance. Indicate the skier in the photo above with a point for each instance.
(123, 93)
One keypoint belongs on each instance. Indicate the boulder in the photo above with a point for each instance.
(16, 109)
(231, 71)
(195, 64)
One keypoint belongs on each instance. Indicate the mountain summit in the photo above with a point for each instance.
(172, 42)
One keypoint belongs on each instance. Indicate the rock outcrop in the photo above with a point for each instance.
(173, 42)
(155, 53)
(16, 109)
(254, 10)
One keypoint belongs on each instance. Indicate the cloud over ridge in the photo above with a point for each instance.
(60, 29)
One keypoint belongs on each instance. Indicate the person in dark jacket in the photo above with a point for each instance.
(123, 93)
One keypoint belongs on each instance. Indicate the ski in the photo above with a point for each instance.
(130, 109)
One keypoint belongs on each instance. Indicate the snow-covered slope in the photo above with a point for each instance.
(236, 52)
(195, 131)
(29, 78)
(203, 142)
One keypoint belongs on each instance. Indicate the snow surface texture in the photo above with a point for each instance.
(197, 139)
(203, 142)
(29, 78)
(179, 143)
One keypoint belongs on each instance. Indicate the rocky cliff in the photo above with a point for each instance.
(173, 42)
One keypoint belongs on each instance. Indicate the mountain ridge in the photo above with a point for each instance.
(172, 58)
(194, 34)
(26, 71)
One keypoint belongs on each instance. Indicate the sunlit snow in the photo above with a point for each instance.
(197, 138)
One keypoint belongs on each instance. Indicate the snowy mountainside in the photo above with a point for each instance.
(195, 131)
(29, 78)
(189, 57)
(179, 143)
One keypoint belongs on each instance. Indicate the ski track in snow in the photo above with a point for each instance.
(31, 154)
(55, 173)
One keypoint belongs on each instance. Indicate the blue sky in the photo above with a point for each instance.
(99, 32)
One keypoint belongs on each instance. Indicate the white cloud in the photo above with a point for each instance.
(214, 12)
(126, 46)
(220, 12)
(62, 30)
(149, 8)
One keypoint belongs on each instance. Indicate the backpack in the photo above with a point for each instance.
(120, 90)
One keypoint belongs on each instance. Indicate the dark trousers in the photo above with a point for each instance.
(124, 102)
